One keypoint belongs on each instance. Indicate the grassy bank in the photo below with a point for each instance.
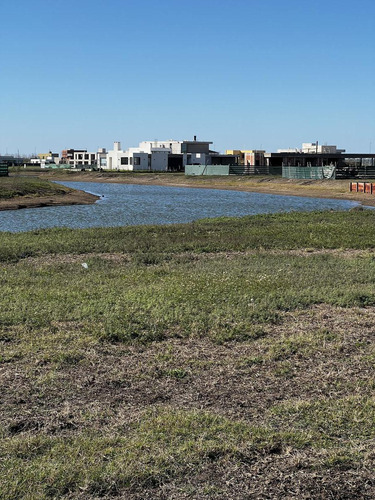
(227, 358)
(31, 192)
(11, 187)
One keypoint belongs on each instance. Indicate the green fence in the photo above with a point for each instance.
(366, 172)
(327, 172)
(207, 170)
(231, 170)
(4, 170)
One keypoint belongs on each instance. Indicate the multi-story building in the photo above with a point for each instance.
(84, 159)
(67, 155)
(81, 158)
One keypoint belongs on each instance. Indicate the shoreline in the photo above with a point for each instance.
(268, 185)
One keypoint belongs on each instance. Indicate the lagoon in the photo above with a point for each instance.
(130, 204)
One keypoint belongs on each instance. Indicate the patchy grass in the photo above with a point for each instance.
(163, 445)
(218, 359)
(211, 298)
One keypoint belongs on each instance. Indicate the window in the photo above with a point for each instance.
(124, 160)
(137, 160)
(131, 160)
(86, 157)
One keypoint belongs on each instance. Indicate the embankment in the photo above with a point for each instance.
(18, 192)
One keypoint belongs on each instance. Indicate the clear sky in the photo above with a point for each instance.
(245, 74)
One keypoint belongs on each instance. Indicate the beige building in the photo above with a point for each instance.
(248, 156)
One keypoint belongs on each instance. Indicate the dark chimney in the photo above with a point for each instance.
(195, 138)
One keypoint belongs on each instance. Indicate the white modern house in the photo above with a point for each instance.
(159, 156)
(189, 152)
(131, 159)
(145, 157)
(114, 157)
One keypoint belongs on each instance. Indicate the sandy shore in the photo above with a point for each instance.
(73, 198)
(338, 189)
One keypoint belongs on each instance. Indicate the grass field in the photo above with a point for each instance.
(226, 358)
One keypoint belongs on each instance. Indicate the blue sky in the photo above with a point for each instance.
(242, 73)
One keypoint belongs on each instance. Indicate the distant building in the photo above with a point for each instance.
(160, 156)
(180, 153)
(35, 161)
(84, 160)
(81, 158)
(239, 153)
(49, 157)
(172, 145)
(313, 148)
(132, 159)
(102, 158)
(67, 155)
(249, 157)
(318, 158)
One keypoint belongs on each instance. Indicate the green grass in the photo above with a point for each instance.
(204, 298)
(12, 187)
(152, 244)
(186, 359)
(332, 421)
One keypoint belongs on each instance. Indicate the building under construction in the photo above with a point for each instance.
(312, 161)
(342, 165)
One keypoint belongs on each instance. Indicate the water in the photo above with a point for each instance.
(124, 205)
